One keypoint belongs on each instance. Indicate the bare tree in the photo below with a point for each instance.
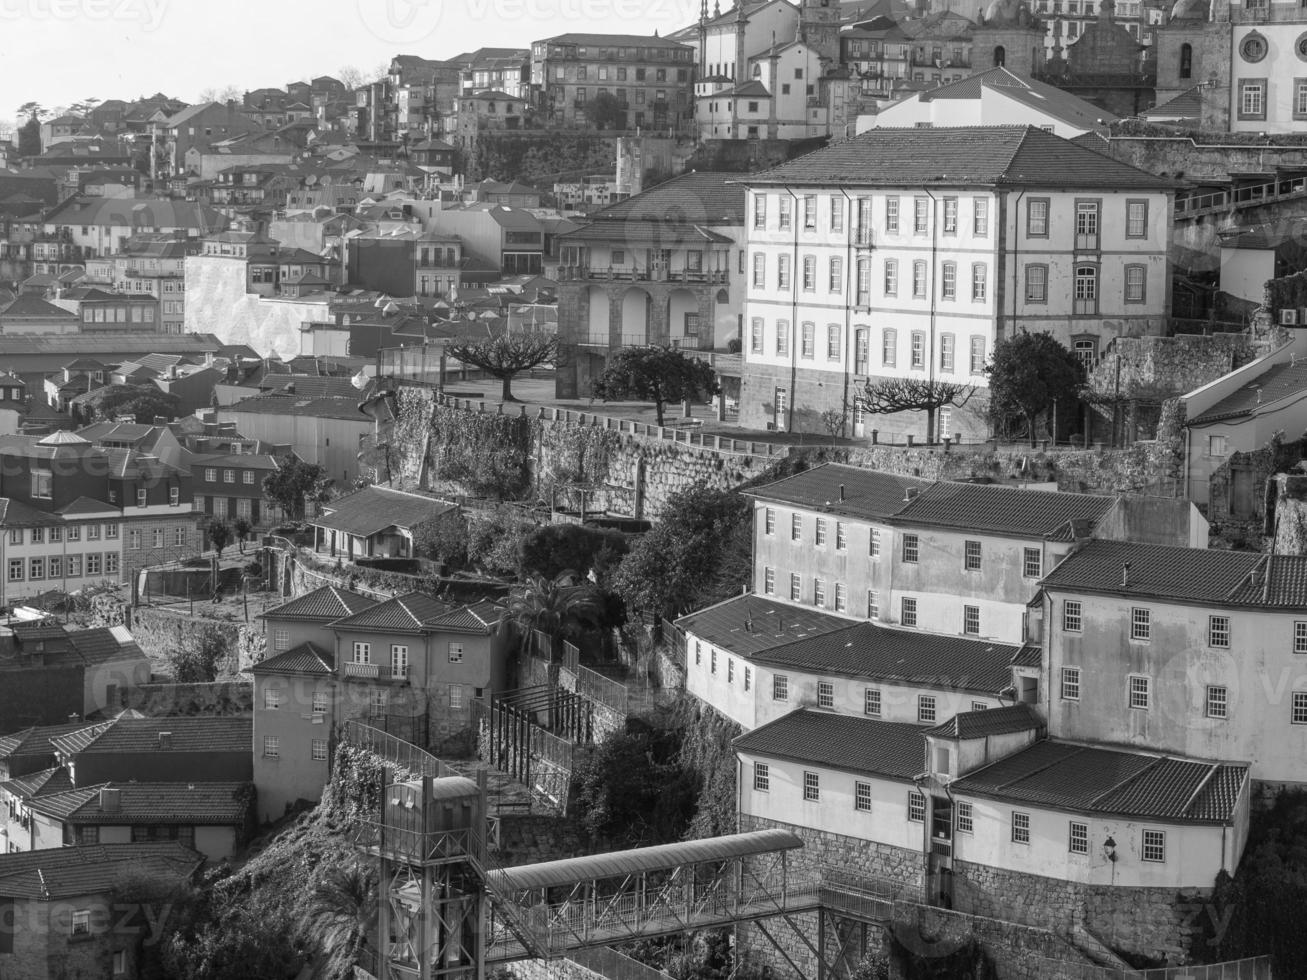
(927, 395)
(506, 357)
(228, 93)
(350, 77)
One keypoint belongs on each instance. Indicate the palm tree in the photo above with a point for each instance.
(558, 607)
(339, 914)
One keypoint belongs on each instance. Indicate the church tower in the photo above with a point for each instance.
(819, 28)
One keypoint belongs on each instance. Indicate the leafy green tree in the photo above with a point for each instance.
(220, 534)
(144, 403)
(506, 356)
(552, 549)
(339, 913)
(29, 138)
(698, 553)
(559, 607)
(243, 528)
(655, 374)
(605, 112)
(494, 540)
(443, 538)
(295, 482)
(1030, 375)
(198, 658)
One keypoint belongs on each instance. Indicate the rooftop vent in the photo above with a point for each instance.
(110, 799)
(1125, 575)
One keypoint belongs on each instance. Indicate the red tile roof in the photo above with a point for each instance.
(751, 624)
(373, 509)
(844, 742)
(68, 872)
(303, 659)
(321, 605)
(409, 613)
(994, 509)
(199, 734)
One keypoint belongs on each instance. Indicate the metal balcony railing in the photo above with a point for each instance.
(353, 669)
(708, 277)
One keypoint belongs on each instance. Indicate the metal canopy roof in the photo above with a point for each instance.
(661, 857)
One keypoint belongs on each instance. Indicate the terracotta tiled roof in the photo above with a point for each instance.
(205, 804)
(867, 494)
(751, 624)
(697, 198)
(959, 156)
(68, 872)
(993, 509)
(413, 612)
(303, 659)
(321, 605)
(1184, 574)
(201, 734)
(1060, 775)
(994, 721)
(374, 509)
(844, 742)
(41, 783)
(899, 655)
(36, 741)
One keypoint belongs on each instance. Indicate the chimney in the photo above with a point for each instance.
(74, 718)
(110, 801)
(165, 741)
(1125, 575)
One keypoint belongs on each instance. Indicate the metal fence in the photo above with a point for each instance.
(609, 963)
(394, 750)
(601, 689)
(1253, 968)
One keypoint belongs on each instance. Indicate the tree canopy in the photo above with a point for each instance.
(144, 403)
(698, 553)
(29, 137)
(1029, 375)
(506, 356)
(655, 374)
(929, 395)
(294, 481)
(605, 112)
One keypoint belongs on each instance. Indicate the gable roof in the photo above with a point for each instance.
(373, 509)
(996, 509)
(845, 742)
(904, 656)
(67, 872)
(837, 488)
(41, 783)
(1026, 90)
(1062, 775)
(409, 613)
(303, 659)
(1276, 382)
(35, 740)
(124, 735)
(993, 721)
(999, 156)
(201, 804)
(751, 624)
(694, 198)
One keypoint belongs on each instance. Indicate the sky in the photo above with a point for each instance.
(57, 52)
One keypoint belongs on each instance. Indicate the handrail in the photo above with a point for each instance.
(1251, 195)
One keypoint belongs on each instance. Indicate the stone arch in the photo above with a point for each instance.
(637, 316)
(598, 307)
(1000, 55)
(683, 321)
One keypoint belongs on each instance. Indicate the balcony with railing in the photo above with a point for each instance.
(691, 277)
(355, 669)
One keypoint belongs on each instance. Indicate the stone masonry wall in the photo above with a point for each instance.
(1167, 366)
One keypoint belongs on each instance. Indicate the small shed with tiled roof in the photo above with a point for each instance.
(376, 522)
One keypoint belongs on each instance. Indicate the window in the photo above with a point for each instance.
(1031, 563)
(319, 750)
(1071, 621)
(811, 787)
(38, 535)
(1300, 637)
(1141, 624)
(1086, 289)
(891, 214)
(919, 280)
(918, 349)
(977, 355)
(698, 653)
(946, 347)
(1252, 98)
(1020, 827)
(841, 539)
(949, 281)
(1036, 284)
(142, 498)
(873, 604)
(971, 556)
(819, 593)
(809, 340)
(809, 212)
(761, 777)
(247, 477)
(916, 806)
(871, 702)
(841, 597)
(377, 700)
(889, 347)
(963, 818)
(782, 338)
(271, 747)
(862, 796)
(836, 212)
(825, 694)
(158, 537)
(769, 581)
(1218, 632)
(748, 677)
(809, 273)
(15, 569)
(873, 546)
(1070, 683)
(16, 536)
(398, 660)
(783, 272)
(796, 527)
(271, 699)
(110, 531)
(36, 568)
(1037, 217)
(174, 496)
(833, 342)
(362, 653)
(1136, 219)
(319, 702)
(759, 211)
(971, 620)
(1154, 848)
(92, 564)
(1300, 96)
(1141, 693)
(835, 275)
(1078, 837)
(455, 653)
(796, 587)
(891, 277)
(979, 282)
(926, 708)
(920, 215)
(74, 566)
(910, 548)
(712, 661)
(980, 217)
(56, 566)
(1217, 701)
(770, 521)
(119, 962)
(780, 688)
(81, 922)
(785, 205)
(759, 270)
(755, 335)
(908, 612)
(1299, 708)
